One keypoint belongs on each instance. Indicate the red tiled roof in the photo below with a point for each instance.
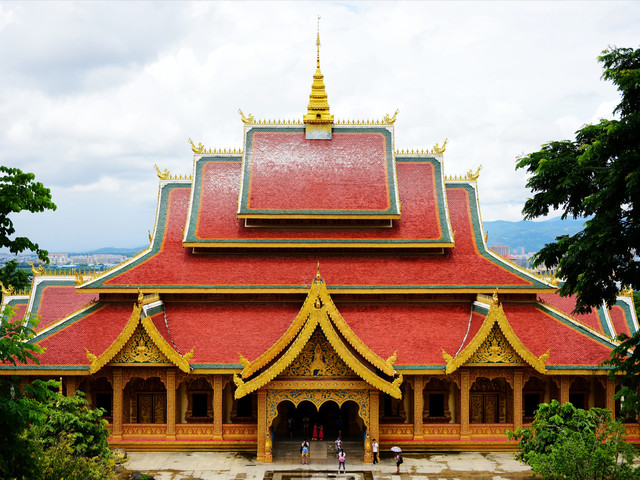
(95, 331)
(567, 304)
(216, 215)
(57, 301)
(287, 172)
(619, 321)
(541, 331)
(464, 265)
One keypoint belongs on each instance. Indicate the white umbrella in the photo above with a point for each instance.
(396, 449)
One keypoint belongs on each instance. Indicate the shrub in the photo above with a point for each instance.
(565, 442)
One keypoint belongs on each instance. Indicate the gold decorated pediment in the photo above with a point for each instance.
(495, 344)
(140, 349)
(318, 343)
(317, 359)
(138, 343)
(495, 349)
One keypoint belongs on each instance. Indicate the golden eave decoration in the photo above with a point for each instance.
(318, 310)
(136, 321)
(495, 317)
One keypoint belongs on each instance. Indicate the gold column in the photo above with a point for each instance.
(565, 385)
(217, 407)
(464, 405)
(373, 429)
(171, 405)
(117, 404)
(418, 406)
(610, 391)
(517, 398)
(262, 424)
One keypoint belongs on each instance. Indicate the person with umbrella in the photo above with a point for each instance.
(398, 452)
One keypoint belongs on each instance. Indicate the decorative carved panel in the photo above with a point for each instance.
(495, 350)
(140, 349)
(317, 397)
(317, 359)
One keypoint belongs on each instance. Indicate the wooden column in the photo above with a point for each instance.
(374, 414)
(262, 424)
(610, 391)
(217, 407)
(373, 429)
(517, 398)
(565, 385)
(117, 404)
(72, 386)
(464, 405)
(418, 406)
(171, 405)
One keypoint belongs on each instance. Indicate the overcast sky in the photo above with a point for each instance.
(93, 94)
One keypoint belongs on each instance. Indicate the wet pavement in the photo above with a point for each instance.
(323, 465)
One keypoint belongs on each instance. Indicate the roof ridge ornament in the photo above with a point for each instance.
(318, 120)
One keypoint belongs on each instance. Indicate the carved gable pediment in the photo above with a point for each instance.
(140, 342)
(495, 343)
(318, 343)
(317, 359)
(140, 349)
(495, 350)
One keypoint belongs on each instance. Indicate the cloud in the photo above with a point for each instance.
(92, 95)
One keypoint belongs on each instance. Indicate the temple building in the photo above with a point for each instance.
(318, 276)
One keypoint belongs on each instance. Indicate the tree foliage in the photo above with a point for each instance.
(19, 191)
(565, 442)
(596, 176)
(10, 274)
(45, 435)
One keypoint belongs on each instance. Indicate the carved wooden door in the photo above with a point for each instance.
(484, 408)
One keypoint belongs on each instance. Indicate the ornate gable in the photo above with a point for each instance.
(140, 342)
(495, 344)
(318, 342)
(317, 359)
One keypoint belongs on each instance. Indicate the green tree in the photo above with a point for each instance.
(596, 176)
(20, 405)
(565, 442)
(10, 274)
(83, 427)
(19, 192)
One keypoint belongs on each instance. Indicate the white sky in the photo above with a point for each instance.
(92, 94)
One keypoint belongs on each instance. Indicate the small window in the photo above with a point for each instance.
(244, 407)
(577, 400)
(103, 400)
(531, 402)
(436, 405)
(199, 405)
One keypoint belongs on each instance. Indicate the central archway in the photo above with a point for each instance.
(335, 400)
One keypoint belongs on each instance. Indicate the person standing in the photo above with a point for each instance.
(398, 462)
(305, 453)
(341, 459)
(374, 448)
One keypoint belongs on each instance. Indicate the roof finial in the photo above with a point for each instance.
(318, 120)
(318, 44)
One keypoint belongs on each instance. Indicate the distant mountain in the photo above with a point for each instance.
(530, 235)
(128, 252)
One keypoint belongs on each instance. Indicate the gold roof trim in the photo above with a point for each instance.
(180, 361)
(496, 316)
(435, 150)
(200, 149)
(305, 312)
(318, 310)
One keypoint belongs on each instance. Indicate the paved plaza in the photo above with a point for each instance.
(322, 465)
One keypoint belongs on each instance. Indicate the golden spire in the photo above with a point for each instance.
(318, 119)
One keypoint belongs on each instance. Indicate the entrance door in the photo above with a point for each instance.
(152, 408)
(484, 408)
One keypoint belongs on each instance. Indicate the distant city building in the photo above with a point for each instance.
(503, 250)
